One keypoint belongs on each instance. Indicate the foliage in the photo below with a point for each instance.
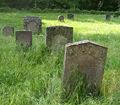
(109, 5)
(72, 10)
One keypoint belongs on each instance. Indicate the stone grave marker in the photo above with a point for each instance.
(108, 17)
(116, 16)
(33, 23)
(85, 60)
(58, 36)
(8, 30)
(61, 18)
(24, 38)
(70, 16)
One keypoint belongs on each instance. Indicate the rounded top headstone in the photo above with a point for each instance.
(61, 18)
(108, 16)
(70, 16)
(8, 30)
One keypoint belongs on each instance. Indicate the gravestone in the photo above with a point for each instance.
(70, 16)
(84, 60)
(116, 16)
(58, 36)
(8, 30)
(108, 17)
(33, 23)
(24, 38)
(61, 18)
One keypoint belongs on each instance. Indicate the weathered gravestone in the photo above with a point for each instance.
(58, 36)
(24, 38)
(70, 16)
(108, 17)
(8, 30)
(116, 16)
(61, 18)
(84, 60)
(33, 23)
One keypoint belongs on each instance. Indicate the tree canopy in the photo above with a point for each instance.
(109, 5)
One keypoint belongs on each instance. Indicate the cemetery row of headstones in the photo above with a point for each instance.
(82, 59)
(32, 23)
(69, 16)
(108, 16)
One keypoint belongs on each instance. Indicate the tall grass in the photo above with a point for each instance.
(36, 78)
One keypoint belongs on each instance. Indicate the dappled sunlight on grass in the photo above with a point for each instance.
(36, 78)
(86, 28)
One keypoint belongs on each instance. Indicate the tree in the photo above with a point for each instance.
(3, 3)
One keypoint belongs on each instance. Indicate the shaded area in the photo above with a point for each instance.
(36, 78)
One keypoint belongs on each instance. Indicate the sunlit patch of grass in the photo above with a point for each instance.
(35, 77)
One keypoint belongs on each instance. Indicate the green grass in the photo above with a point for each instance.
(36, 79)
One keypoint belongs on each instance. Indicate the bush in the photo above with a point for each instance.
(35, 10)
(7, 9)
(77, 10)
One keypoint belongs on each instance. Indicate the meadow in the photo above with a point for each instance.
(36, 78)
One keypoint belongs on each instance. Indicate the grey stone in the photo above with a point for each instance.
(33, 23)
(84, 60)
(61, 18)
(8, 30)
(70, 16)
(116, 16)
(24, 38)
(58, 36)
(108, 17)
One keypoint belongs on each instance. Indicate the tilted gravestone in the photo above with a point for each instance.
(70, 16)
(24, 38)
(33, 23)
(84, 60)
(8, 30)
(58, 36)
(61, 18)
(108, 17)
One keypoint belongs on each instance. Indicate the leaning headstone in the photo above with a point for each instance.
(58, 36)
(70, 16)
(108, 17)
(84, 62)
(8, 30)
(24, 38)
(61, 18)
(33, 23)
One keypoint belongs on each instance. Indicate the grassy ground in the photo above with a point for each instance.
(36, 78)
